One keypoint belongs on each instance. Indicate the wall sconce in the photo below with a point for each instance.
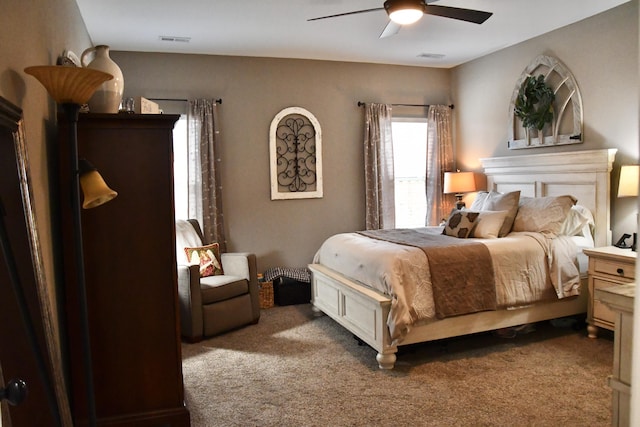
(96, 191)
(459, 183)
(628, 187)
(71, 87)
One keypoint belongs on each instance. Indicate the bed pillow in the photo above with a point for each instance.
(543, 214)
(578, 221)
(495, 201)
(208, 257)
(488, 224)
(460, 223)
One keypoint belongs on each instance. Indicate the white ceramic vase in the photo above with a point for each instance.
(108, 96)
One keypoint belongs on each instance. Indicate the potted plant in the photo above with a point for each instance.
(534, 104)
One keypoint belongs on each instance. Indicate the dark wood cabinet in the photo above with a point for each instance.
(131, 279)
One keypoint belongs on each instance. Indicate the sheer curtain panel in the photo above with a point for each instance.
(378, 167)
(205, 187)
(439, 161)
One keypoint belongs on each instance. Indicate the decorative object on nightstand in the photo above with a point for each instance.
(628, 187)
(608, 266)
(459, 183)
(620, 300)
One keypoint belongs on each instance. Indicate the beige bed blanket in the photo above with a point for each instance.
(528, 268)
(462, 276)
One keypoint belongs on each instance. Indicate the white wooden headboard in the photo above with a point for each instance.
(582, 174)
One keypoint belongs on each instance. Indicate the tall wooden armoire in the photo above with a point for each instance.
(131, 279)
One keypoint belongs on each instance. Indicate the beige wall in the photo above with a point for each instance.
(602, 54)
(35, 33)
(254, 90)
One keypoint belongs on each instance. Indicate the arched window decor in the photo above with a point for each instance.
(563, 126)
(295, 147)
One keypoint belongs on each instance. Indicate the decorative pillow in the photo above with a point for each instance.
(488, 224)
(495, 201)
(543, 214)
(579, 220)
(208, 257)
(460, 223)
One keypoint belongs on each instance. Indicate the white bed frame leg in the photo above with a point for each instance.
(316, 311)
(386, 361)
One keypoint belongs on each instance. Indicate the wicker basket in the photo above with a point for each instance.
(266, 294)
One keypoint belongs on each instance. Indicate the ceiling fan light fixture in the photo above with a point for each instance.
(404, 12)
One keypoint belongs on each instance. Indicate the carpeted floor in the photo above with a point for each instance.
(294, 369)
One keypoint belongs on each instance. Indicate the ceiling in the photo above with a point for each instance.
(279, 28)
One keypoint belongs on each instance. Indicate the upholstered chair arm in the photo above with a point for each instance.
(190, 301)
(244, 264)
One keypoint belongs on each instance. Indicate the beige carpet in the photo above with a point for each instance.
(294, 369)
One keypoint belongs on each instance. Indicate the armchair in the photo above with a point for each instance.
(214, 304)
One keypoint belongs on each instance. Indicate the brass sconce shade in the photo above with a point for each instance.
(629, 177)
(96, 191)
(74, 85)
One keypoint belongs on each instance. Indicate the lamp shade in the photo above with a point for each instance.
(629, 177)
(404, 12)
(459, 182)
(96, 192)
(73, 85)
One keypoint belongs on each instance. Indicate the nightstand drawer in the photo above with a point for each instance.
(600, 311)
(614, 268)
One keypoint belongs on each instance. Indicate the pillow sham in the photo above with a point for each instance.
(488, 224)
(460, 223)
(543, 214)
(578, 221)
(207, 257)
(495, 201)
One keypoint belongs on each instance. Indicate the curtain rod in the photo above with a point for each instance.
(218, 101)
(361, 104)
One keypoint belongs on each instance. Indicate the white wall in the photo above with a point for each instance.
(602, 54)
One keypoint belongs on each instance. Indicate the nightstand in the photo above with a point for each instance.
(620, 300)
(608, 266)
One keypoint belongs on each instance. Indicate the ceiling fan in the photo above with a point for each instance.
(405, 12)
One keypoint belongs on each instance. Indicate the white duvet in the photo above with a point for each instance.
(528, 267)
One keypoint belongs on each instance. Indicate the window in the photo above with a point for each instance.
(180, 168)
(180, 154)
(410, 164)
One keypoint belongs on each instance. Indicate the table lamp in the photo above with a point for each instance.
(459, 183)
(628, 187)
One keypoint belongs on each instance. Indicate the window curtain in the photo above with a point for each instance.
(439, 161)
(378, 167)
(205, 187)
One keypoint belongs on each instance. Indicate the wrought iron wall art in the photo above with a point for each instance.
(565, 127)
(295, 148)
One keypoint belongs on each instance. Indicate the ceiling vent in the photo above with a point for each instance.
(175, 39)
(431, 55)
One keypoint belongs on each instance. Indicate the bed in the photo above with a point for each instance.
(368, 310)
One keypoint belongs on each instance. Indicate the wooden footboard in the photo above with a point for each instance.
(364, 313)
(359, 309)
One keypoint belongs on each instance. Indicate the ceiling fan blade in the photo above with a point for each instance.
(469, 15)
(347, 13)
(391, 29)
